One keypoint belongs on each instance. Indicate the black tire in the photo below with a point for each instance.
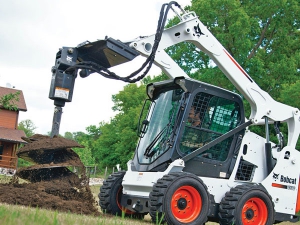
(246, 204)
(110, 197)
(179, 198)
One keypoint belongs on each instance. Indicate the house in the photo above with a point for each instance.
(10, 136)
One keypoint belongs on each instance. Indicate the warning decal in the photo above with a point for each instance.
(61, 93)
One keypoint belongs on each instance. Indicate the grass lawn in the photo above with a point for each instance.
(21, 215)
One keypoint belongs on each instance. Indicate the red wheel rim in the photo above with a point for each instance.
(186, 204)
(118, 200)
(255, 212)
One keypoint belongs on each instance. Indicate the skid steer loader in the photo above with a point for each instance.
(196, 159)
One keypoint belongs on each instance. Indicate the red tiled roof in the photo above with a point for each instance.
(20, 104)
(12, 135)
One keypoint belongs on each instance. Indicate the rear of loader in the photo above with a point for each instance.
(216, 170)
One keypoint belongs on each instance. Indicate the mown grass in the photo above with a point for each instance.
(5, 179)
(21, 215)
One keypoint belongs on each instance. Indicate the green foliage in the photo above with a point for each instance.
(129, 97)
(93, 131)
(85, 154)
(290, 94)
(28, 127)
(115, 142)
(69, 135)
(115, 145)
(23, 163)
(263, 36)
(17, 215)
(159, 219)
(9, 101)
(148, 79)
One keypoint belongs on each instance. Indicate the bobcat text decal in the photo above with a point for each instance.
(284, 179)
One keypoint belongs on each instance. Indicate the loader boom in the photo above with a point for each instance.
(191, 29)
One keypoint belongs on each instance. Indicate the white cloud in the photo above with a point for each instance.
(31, 34)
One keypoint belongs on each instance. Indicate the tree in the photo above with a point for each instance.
(85, 154)
(290, 94)
(115, 142)
(117, 139)
(69, 135)
(263, 36)
(28, 127)
(8, 101)
(93, 131)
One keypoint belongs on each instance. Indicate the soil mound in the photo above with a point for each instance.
(38, 142)
(51, 183)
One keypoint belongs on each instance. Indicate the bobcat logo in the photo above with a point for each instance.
(275, 176)
(198, 30)
(69, 59)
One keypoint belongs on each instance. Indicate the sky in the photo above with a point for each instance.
(31, 34)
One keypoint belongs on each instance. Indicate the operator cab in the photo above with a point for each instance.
(180, 117)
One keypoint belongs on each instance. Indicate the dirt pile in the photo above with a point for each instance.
(50, 182)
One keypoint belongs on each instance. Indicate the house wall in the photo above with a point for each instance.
(9, 119)
(8, 158)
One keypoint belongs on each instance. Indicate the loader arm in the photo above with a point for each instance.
(191, 29)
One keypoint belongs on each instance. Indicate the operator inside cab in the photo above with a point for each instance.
(209, 117)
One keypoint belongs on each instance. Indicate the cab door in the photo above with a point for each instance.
(208, 117)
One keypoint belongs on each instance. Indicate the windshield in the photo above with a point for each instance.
(161, 122)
